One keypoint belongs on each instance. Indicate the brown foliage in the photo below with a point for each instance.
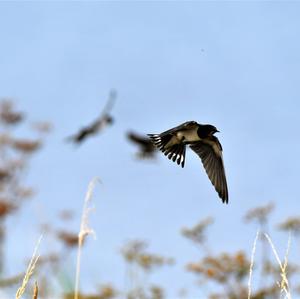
(259, 214)
(106, 292)
(69, 239)
(291, 224)
(135, 252)
(26, 146)
(6, 207)
(223, 267)
(8, 115)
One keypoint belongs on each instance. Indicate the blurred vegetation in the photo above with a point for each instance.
(15, 155)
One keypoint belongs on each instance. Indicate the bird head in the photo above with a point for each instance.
(211, 129)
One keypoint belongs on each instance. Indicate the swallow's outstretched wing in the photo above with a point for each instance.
(210, 152)
(142, 141)
(110, 103)
(176, 152)
(105, 117)
(146, 146)
(188, 125)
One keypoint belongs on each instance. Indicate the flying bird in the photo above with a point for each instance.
(146, 147)
(99, 124)
(200, 138)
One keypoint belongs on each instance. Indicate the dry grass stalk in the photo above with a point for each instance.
(29, 270)
(35, 291)
(284, 284)
(252, 264)
(85, 230)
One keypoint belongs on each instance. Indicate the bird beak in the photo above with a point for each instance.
(217, 131)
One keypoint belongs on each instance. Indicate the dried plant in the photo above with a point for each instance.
(107, 291)
(259, 214)
(15, 153)
(26, 146)
(140, 262)
(35, 291)
(197, 233)
(292, 224)
(85, 230)
(252, 264)
(284, 284)
(157, 292)
(134, 252)
(6, 207)
(229, 271)
(8, 115)
(222, 268)
(69, 239)
(29, 271)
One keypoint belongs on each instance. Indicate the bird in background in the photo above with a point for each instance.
(146, 148)
(200, 138)
(99, 124)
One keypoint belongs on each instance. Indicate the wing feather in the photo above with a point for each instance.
(210, 152)
(176, 153)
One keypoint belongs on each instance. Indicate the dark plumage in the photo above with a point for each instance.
(146, 147)
(98, 125)
(200, 138)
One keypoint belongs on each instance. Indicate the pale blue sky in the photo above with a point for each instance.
(232, 64)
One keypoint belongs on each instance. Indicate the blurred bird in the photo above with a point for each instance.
(200, 138)
(99, 124)
(146, 147)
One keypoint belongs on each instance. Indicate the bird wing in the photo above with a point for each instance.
(210, 152)
(103, 118)
(109, 104)
(175, 152)
(141, 140)
(185, 126)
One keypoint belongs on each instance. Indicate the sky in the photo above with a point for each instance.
(231, 64)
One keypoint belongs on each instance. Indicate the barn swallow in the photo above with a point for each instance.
(98, 125)
(200, 138)
(146, 147)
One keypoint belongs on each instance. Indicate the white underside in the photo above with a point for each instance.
(187, 136)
